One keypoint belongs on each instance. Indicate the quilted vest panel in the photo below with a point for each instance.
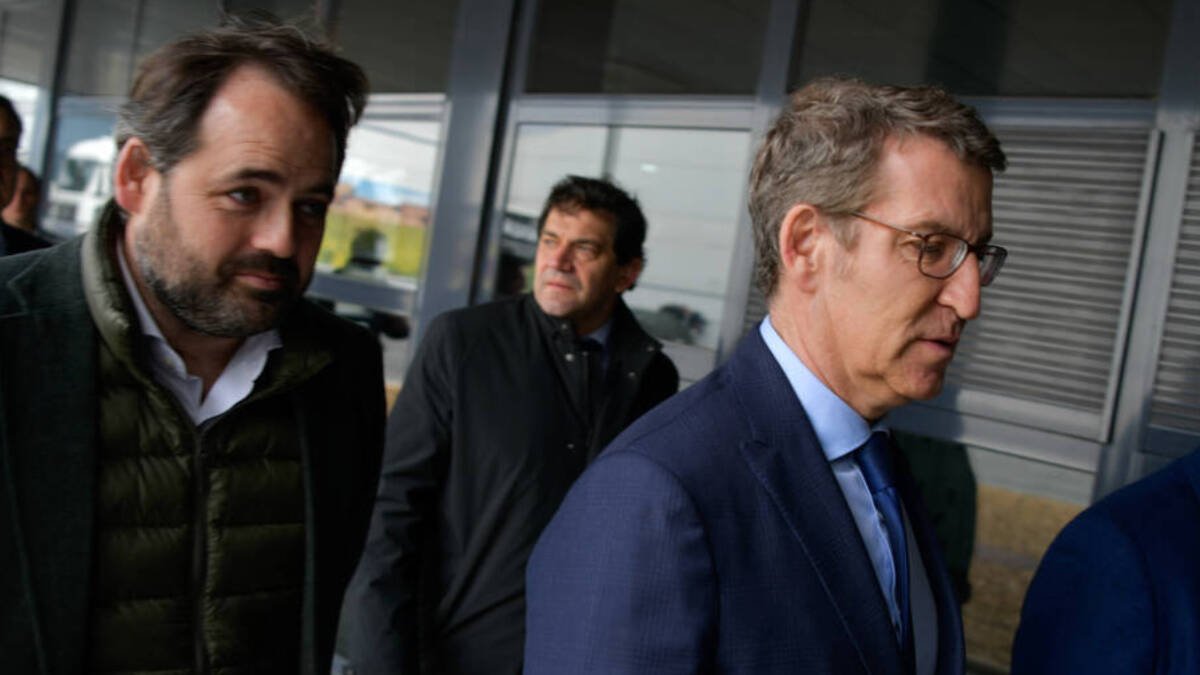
(200, 535)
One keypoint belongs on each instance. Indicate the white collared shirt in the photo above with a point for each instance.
(840, 431)
(232, 385)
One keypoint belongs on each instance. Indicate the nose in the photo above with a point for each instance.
(961, 291)
(275, 233)
(561, 257)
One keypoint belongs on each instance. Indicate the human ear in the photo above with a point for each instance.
(627, 274)
(134, 176)
(799, 238)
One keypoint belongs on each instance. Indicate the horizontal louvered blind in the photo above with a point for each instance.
(1176, 400)
(1066, 209)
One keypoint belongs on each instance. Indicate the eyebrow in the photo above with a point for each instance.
(934, 227)
(276, 178)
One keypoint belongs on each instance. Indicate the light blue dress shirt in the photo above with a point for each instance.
(841, 431)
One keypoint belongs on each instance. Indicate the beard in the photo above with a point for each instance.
(208, 303)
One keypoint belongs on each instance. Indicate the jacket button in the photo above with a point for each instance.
(570, 446)
(570, 358)
(632, 375)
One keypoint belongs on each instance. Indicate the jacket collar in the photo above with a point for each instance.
(303, 355)
(785, 456)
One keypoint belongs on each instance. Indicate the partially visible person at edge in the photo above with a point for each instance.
(22, 209)
(1118, 591)
(189, 448)
(762, 521)
(13, 238)
(504, 405)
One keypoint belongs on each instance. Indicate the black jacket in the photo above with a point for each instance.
(485, 439)
(17, 240)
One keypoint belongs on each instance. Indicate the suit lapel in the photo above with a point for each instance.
(787, 460)
(47, 367)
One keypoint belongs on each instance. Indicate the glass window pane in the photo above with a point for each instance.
(284, 9)
(647, 47)
(79, 180)
(108, 37)
(403, 46)
(25, 56)
(690, 184)
(371, 257)
(24, 41)
(1104, 48)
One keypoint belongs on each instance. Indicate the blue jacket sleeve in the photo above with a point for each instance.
(621, 581)
(1089, 608)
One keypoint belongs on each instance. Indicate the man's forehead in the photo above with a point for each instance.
(264, 130)
(583, 222)
(921, 184)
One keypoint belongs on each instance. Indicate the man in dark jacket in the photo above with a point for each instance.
(12, 238)
(188, 449)
(504, 405)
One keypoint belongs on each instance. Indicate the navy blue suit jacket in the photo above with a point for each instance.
(1119, 589)
(712, 537)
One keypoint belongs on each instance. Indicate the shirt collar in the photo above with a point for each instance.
(600, 334)
(839, 429)
(234, 383)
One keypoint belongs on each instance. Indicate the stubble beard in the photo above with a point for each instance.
(209, 305)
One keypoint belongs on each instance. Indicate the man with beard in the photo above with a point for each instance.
(504, 405)
(189, 450)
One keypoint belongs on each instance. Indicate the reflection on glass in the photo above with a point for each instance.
(378, 220)
(403, 45)
(373, 250)
(24, 98)
(979, 47)
(689, 183)
(109, 38)
(79, 177)
(647, 46)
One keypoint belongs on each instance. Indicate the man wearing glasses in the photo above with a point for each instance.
(761, 521)
(503, 407)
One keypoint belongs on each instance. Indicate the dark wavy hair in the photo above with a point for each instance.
(574, 193)
(175, 84)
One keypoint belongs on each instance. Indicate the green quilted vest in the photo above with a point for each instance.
(200, 532)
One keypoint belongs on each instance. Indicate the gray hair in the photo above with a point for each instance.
(824, 148)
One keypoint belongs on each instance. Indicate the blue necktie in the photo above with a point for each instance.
(876, 460)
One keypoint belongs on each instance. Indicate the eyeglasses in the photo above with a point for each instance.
(941, 254)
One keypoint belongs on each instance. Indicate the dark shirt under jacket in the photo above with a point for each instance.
(491, 428)
(17, 240)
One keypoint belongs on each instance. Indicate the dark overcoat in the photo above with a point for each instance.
(484, 441)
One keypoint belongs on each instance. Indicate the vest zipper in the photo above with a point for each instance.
(199, 559)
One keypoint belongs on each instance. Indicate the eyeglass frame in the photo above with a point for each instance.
(999, 253)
